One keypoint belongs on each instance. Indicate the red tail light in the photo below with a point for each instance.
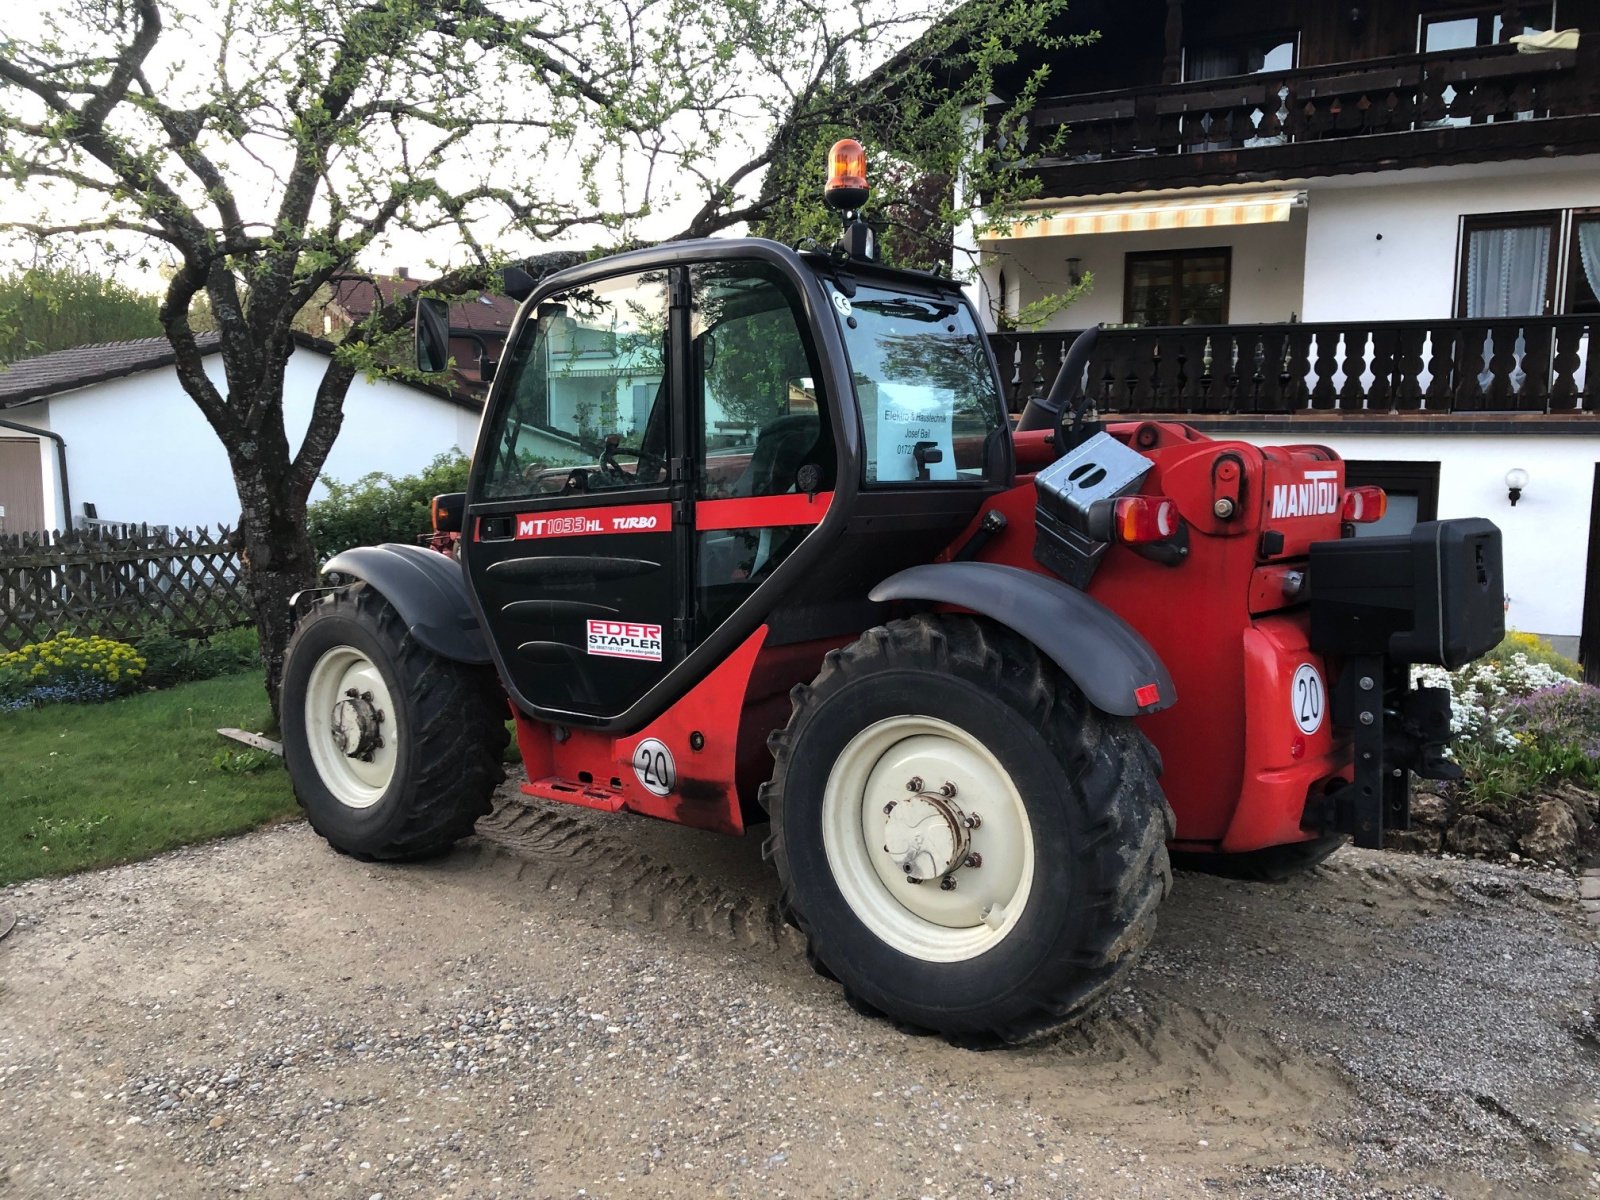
(1364, 505)
(1139, 519)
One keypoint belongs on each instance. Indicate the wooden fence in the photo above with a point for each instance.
(118, 581)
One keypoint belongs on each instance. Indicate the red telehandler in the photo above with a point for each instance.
(750, 539)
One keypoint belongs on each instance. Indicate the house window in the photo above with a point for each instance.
(1177, 287)
(1412, 488)
(1507, 265)
(1255, 54)
(1252, 55)
(1464, 29)
(1583, 264)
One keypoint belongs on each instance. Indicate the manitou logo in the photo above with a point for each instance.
(1317, 496)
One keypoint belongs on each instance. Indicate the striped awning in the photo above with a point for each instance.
(1261, 208)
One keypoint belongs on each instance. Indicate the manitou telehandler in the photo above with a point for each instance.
(750, 539)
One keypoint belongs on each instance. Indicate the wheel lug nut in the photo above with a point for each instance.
(888, 808)
(973, 860)
(914, 784)
(948, 790)
(974, 820)
(947, 884)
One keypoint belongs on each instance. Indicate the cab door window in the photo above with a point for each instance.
(766, 448)
(587, 408)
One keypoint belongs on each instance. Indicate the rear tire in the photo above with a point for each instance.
(394, 752)
(1070, 841)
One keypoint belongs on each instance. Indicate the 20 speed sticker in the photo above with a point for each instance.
(1308, 698)
(652, 763)
(625, 639)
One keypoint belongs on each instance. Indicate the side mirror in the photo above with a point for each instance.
(433, 334)
(517, 283)
(448, 511)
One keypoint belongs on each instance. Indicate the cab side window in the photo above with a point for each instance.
(588, 394)
(762, 419)
(762, 426)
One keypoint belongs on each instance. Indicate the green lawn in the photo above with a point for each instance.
(87, 785)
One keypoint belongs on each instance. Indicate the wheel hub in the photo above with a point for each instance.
(355, 725)
(926, 835)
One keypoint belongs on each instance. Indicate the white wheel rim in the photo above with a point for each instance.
(924, 919)
(355, 781)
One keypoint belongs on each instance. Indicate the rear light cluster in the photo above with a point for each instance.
(1364, 505)
(1138, 520)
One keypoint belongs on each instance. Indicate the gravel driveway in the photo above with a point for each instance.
(573, 1004)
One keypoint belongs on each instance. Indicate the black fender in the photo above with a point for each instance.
(1100, 652)
(427, 589)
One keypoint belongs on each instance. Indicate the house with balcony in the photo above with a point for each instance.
(1370, 225)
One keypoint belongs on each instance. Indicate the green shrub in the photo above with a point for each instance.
(380, 507)
(67, 669)
(171, 660)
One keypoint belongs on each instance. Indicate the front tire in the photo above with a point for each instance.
(394, 752)
(968, 845)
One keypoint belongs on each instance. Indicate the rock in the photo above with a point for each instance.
(1412, 841)
(1584, 806)
(1430, 809)
(1550, 834)
(1474, 834)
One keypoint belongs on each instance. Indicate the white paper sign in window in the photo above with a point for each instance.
(915, 433)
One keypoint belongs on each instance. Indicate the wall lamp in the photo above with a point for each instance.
(1516, 480)
(1074, 271)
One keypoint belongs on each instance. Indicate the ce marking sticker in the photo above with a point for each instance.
(652, 763)
(842, 303)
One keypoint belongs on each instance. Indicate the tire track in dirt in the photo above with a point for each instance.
(1142, 1047)
(598, 861)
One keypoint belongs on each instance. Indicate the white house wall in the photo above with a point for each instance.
(1545, 536)
(1386, 246)
(139, 450)
(1267, 278)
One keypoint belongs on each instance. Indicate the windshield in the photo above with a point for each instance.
(923, 382)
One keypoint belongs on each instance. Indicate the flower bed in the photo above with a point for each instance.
(1528, 741)
(67, 669)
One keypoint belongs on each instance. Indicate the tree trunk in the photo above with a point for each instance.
(277, 555)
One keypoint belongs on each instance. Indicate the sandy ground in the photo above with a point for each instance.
(577, 1005)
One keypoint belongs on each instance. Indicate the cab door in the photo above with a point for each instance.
(575, 537)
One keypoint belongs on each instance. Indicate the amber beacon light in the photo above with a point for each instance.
(847, 176)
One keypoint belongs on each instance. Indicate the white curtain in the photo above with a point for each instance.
(1589, 252)
(1508, 271)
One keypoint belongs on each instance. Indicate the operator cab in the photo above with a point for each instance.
(689, 442)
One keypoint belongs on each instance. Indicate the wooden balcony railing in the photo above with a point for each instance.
(1391, 95)
(1510, 365)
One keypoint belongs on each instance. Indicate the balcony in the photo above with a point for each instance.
(1514, 365)
(1473, 105)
